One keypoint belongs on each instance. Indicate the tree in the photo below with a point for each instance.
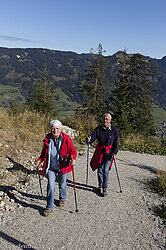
(42, 94)
(93, 86)
(120, 104)
(132, 100)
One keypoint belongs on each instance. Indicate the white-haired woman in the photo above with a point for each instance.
(56, 154)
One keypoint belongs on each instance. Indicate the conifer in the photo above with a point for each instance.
(93, 86)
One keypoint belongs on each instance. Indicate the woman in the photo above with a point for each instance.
(56, 154)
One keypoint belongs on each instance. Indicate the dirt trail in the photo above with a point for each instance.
(119, 221)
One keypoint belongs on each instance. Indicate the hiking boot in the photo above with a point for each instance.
(47, 211)
(61, 203)
(105, 192)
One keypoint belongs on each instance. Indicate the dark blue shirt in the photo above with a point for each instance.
(106, 137)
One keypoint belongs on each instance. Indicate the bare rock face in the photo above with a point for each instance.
(70, 132)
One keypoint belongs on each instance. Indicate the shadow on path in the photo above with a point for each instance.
(129, 163)
(84, 187)
(18, 166)
(15, 242)
(8, 190)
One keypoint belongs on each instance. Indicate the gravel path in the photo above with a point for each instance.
(119, 221)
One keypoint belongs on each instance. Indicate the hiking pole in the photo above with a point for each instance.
(87, 165)
(117, 176)
(74, 185)
(39, 180)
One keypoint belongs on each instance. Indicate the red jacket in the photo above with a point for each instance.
(67, 149)
(98, 155)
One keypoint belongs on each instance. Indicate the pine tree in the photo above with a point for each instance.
(120, 104)
(42, 94)
(132, 99)
(93, 86)
(142, 74)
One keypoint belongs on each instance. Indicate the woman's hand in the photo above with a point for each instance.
(72, 161)
(37, 162)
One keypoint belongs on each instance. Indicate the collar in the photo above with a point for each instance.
(109, 127)
(60, 138)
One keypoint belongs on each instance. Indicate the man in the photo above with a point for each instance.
(106, 150)
(56, 154)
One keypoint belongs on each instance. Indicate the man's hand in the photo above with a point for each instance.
(114, 156)
(89, 138)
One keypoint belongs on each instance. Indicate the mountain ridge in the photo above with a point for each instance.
(19, 67)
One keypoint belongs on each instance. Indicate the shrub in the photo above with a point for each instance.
(83, 123)
(140, 144)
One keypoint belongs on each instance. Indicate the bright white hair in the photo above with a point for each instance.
(55, 123)
(107, 114)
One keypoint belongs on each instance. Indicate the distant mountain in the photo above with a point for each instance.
(19, 68)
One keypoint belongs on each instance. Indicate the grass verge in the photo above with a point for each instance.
(159, 186)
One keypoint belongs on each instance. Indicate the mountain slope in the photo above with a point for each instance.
(19, 68)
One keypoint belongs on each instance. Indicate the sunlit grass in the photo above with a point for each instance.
(23, 129)
(159, 186)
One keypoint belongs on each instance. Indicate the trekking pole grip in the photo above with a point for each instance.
(71, 160)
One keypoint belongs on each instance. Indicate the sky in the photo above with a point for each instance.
(139, 26)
